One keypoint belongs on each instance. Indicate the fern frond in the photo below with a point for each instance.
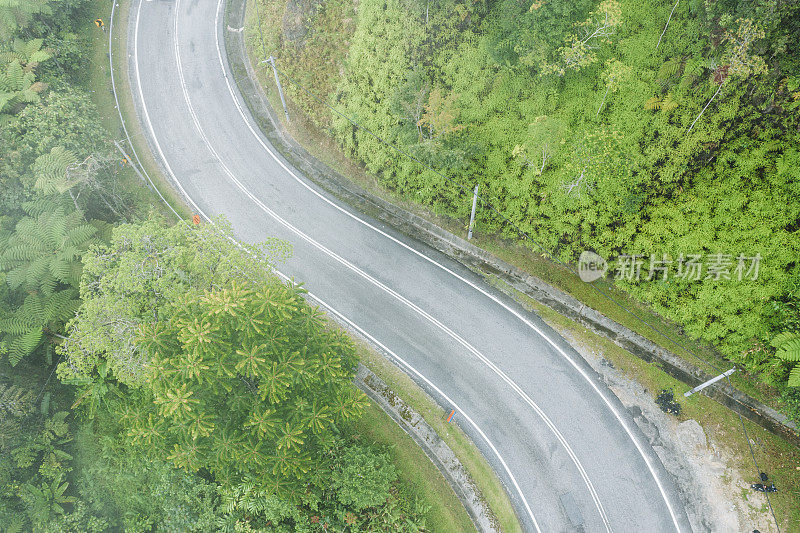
(669, 103)
(790, 350)
(24, 345)
(783, 337)
(40, 205)
(669, 68)
(51, 170)
(45, 250)
(13, 78)
(794, 376)
(60, 306)
(16, 324)
(653, 104)
(80, 236)
(15, 400)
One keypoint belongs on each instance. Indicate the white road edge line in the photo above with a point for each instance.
(559, 436)
(616, 413)
(371, 279)
(446, 398)
(402, 361)
(567, 357)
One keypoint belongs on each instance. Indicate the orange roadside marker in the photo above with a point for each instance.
(196, 220)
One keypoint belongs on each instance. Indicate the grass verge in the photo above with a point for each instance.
(479, 470)
(416, 471)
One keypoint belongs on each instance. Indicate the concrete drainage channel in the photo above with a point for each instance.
(471, 256)
(432, 444)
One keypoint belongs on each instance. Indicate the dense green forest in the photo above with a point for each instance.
(154, 377)
(621, 127)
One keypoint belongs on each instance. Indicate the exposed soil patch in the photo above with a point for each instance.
(715, 494)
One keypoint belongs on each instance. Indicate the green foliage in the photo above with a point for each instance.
(341, 497)
(362, 479)
(187, 352)
(790, 399)
(237, 376)
(41, 260)
(29, 54)
(45, 249)
(18, 87)
(38, 318)
(136, 492)
(51, 171)
(579, 50)
(14, 401)
(787, 345)
(16, 14)
(598, 156)
(33, 486)
(44, 501)
(525, 32)
(65, 117)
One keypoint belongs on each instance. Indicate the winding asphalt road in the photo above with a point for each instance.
(570, 455)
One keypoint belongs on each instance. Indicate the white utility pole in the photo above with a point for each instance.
(472, 216)
(709, 382)
(271, 61)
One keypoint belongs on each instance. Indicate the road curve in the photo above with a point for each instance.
(570, 455)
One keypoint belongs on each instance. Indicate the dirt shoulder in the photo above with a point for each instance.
(703, 448)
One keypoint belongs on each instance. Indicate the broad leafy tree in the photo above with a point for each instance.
(223, 366)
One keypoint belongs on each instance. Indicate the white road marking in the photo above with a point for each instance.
(300, 181)
(402, 361)
(446, 398)
(562, 440)
(566, 356)
(363, 274)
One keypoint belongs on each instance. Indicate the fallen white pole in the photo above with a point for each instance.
(709, 382)
(472, 216)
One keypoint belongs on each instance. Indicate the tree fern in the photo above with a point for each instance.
(669, 103)
(653, 104)
(51, 171)
(45, 250)
(691, 73)
(794, 377)
(18, 86)
(669, 68)
(23, 345)
(29, 53)
(788, 350)
(782, 337)
(25, 330)
(15, 401)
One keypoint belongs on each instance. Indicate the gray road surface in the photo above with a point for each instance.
(566, 449)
